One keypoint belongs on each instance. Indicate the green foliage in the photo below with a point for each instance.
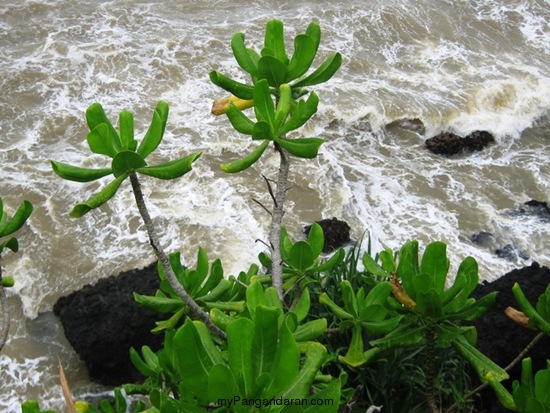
(207, 287)
(8, 227)
(273, 73)
(539, 316)
(267, 356)
(126, 156)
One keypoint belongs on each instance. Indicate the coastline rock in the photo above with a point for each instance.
(103, 321)
(448, 144)
(501, 339)
(337, 233)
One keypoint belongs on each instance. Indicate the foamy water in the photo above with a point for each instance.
(411, 70)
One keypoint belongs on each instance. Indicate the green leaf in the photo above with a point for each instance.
(375, 328)
(240, 335)
(126, 122)
(286, 362)
(99, 199)
(262, 130)
(275, 41)
(126, 163)
(372, 267)
(196, 354)
(246, 161)
(310, 330)
(316, 239)
(101, 141)
(301, 309)
(240, 90)
(333, 261)
(349, 298)
(273, 70)
(240, 122)
(11, 244)
(255, 297)
(471, 311)
(535, 319)
(303, 111)
(95, 116)
(301, 256)
(428, 303)
(140, 364)
(222, 385)
(155, 132)
(263, 103)
(407, 269)
(435, 265)
(304, 53)
(403, 336)
(336, 309)
(18, 219)
(314, 356)
(172, 169)
(302, 148)
(213, 280)
(158, 304)
(264, 343)
(355, 356)
(242, 56)
(78, 174)
(487, 370)
(314, 32)
(323, 72)
(284, 106)
(464, 284)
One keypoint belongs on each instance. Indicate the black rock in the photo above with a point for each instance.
(534, 208)
(501, 339)
(103, 321)
(448, 144)
(337, 233)
(482, 238)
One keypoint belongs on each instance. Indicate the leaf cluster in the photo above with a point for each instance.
(127, 157)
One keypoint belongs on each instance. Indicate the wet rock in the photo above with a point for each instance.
(103, 321)
(534, 208)
(448, 144)
(337, 233)
(501, 339)
(482, 238)
(511, 253)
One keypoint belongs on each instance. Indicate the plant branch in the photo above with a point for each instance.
(510, 366)
(430, 369)
(164, 260)
(276, 221)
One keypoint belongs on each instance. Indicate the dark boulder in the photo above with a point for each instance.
(448, 144)
(337, 233)
(501, 339)
(103, 321)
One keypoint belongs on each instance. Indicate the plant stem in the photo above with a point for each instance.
(5, 315)
(276, 221)
(430, 369)
(195, 309)
(510, 366)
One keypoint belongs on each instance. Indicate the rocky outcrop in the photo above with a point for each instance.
(337, 233)
(501, 339)
(103, 321)
(450, 144)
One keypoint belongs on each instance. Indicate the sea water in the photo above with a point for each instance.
(411, 69)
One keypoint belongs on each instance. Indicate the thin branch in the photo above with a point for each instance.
(270, 189)
(5, 315)
(509, 367)
(263, 206)
(196, 310)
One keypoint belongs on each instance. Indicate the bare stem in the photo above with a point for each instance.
(5, 315)
(276, 221)
(195, 309)
(430, 369)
